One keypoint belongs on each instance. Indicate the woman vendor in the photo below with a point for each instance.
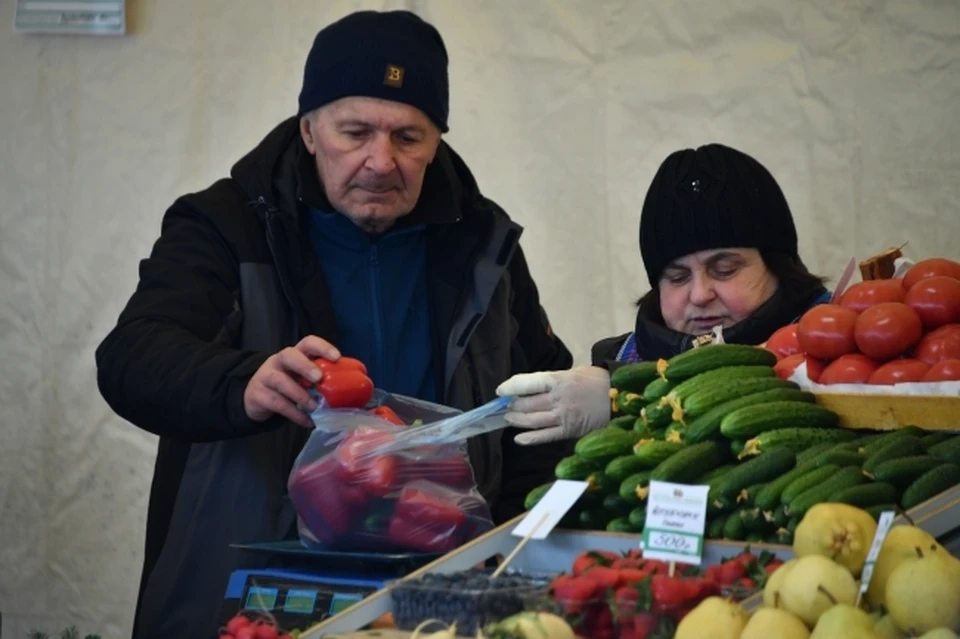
(719, 246)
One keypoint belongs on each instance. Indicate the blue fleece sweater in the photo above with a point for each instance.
(378, 288)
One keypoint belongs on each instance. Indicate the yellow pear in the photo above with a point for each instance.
(774, 623)
(843, 620)
(899, 545)
(814, 585)
(924, 594)
(837, 531)
(771, 591)
(884, 628)
(713, 618)
(939, 633)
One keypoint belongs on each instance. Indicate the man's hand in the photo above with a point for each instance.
(275, 388)
(561, 405)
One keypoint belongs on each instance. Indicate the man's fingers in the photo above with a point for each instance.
(531, 404)
(282, 383)
(282, 406)
(544, 419)
(294, 361)
(526, 384)
(313, 346)
(536, 437)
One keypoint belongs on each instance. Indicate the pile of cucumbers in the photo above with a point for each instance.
(718, 415)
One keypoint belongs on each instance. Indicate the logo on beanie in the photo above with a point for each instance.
(393, 77)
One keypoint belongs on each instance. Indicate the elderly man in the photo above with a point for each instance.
(351, 228)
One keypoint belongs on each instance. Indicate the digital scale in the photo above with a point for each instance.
(301, 587)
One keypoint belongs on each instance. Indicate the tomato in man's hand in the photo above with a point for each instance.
(899, 371)
(930, 267)
(887, 330)
(853, 368)
(826, 331)
(783, 343)
(863, 295)
(936, 300)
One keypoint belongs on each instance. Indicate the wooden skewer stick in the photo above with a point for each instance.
(519, 547)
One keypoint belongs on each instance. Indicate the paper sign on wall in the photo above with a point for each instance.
(86, 17)
(676, 519)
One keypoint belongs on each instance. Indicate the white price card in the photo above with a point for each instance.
(883, 527)
(551, 508)
(676, 519)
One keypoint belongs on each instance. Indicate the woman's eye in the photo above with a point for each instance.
(677, 280)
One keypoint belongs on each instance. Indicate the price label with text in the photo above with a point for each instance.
(676, 519)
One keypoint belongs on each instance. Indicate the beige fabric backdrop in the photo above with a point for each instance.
(563, 108)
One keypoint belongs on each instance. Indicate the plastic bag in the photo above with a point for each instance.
(363, 483)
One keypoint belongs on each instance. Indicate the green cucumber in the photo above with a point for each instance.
(705, 358)
(753, 520)
(690, 461)
(792, 524)
(839, 457)
(751, 421)
(605, 443)
(748, 496)
(630, 404)
(657, 414)
(708, 425)
(634, 488)
(737, 446)
(617, 505)
(642, 430)
(762, 468)
(624, 422)
(779, 517)
(594, 519)
(876, 511)
(728, 373)
(769, 497)
(620, 525)
(862, 441)
(807, 481)
(638, 517)
(657, 389)
(900, 447)
(798, 439)
(948, 451)
(866, 495)
(577, 468)
(721, 392)
(602, 483)
(711, 475)
(807, 454)
(634, 378)
(936, 438)
(535, 495)
(654, 452)
(903, 471)
(717, 503)
(843, 478)
(754, 538)
(734, 527)
(930, 484)
(781, 537)
(675, 433)
(624, 466)
(886, 437)
(715, 527)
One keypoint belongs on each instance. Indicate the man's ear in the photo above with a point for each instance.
(306, 133)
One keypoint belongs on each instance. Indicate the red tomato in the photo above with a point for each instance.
(899, 371)
(936, 300)
(946, 370)
(939, 344)
(826, 331)
(786, 366)
(930, 268)
(849, 369)
(783, 342)
(887, 330)
(863, 295)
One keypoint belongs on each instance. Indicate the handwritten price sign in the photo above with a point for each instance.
(672, 542)
(676, 515)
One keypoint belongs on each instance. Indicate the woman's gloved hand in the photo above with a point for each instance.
(558, 404)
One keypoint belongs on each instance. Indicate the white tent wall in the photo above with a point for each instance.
(563, 108)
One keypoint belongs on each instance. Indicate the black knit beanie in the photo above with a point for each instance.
(392, 55)
(710, 198)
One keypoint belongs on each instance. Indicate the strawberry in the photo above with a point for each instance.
(730, 571)
(672, 592)
(625, 600)
(591, 558)
(635, 553)
(605, 578)
(632, 576)
(627, 563)
(644, 624)
(712, 573)
(573, 593)
(627, 632)
(656, 566)
(746, 583)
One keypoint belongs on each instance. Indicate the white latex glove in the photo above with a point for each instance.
(558, 405)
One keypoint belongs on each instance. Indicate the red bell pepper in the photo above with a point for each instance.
(386, 413)
(452, 470)
(417, 505)
(360, 466)
(344, 384)
(321, 502)
(423, 536)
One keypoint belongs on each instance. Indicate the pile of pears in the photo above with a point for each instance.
(914, 590)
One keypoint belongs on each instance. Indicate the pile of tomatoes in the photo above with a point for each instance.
(606, 595)
(880, 331)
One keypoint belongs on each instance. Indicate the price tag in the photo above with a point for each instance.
(551, 508)
(676, 518)
(883, 527)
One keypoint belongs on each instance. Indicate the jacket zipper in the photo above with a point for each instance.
(377, 307)
(270, 216)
